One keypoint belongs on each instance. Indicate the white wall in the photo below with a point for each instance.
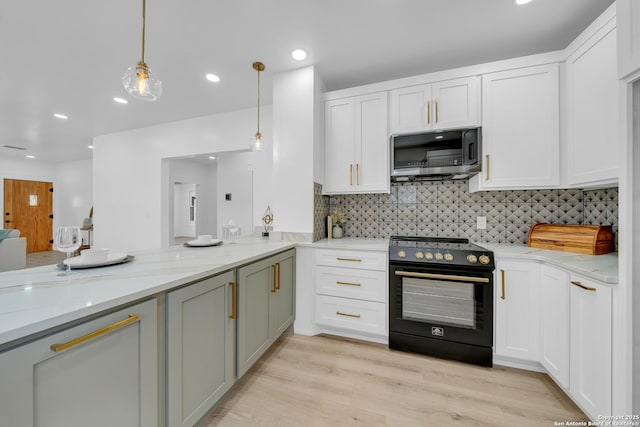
(129, 172)
(72, 183)
(293, 129)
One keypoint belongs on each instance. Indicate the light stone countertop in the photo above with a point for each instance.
(36, 299)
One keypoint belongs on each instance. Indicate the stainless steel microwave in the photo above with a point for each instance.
(449, 154)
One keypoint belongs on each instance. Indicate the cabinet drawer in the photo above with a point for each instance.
(351, 283)
(352, 259)
(355, 315)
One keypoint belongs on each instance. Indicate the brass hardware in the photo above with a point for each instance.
(348, 283)
(488, 161)
(275, 278)
(442, 276)
(436, 110)
(339, 313)
(349, 259)
(350, 173)
(428, 112)
(234, 300)
(503, 295)
(59, 347)
(357, 174)
(580, 285)
(279, 278)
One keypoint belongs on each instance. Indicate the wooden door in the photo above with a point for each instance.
(28, 207)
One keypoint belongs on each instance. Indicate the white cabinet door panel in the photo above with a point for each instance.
(349, 314)
(351, 283)
(410, 109)
(456, 103)
(340, 145)
(628, 22)
(372, 147)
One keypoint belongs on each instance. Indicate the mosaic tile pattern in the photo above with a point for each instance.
(447, 209)
(320, 213)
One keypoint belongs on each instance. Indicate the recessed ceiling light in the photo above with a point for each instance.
(60, 116)
(90, 147)
(522, 1)
(120, 100)
(29, 156)
(212, 157)
(212, 78)
(299, 54)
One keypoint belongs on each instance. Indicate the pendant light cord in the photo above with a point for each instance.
(258, 101)
(143, 22)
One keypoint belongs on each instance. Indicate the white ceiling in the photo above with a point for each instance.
(68, 56)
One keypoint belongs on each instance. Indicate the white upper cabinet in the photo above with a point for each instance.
(442, 105)
(520, 129)
(592, 137)
(628, 21)
(357, 149)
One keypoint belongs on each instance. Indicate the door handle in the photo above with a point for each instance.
(59, 347)
(503, 296)
(278, 265)
(428, 112)
(275, 279)
(350, 173)
(436, 110)
(580, 285)
(357, 173)
(488, 161)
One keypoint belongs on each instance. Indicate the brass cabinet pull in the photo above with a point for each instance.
(488, 161)
(279, 276)
(59, 347)
(349, 259)
(234, 300)
(442, 276)
(436, 110)
(429, 112)
(339, 313)
(503, 293)
(275, 279)
(348, 283)
(357, 173)
(580, 285)
(350, 173)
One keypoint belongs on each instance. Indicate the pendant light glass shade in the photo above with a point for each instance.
(139, 81)
(256, 143)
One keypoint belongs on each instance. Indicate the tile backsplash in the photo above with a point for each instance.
(447, 209)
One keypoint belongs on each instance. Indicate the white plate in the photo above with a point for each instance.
(79, 262)
(198, 243)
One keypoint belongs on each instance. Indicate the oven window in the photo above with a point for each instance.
(439, 301)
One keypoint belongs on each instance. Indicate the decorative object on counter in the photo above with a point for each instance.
(256, 144)
(88, 222)
(67, 239)
(267, 220)
(139, 81)
(339, 218)
(582, 239)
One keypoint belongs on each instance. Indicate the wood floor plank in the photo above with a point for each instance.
(329, 381)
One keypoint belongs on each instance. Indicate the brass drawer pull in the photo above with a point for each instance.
(348, 283)
(428, 112)
(349, 259)
(503, 294)
(279, 276)
(233, 299)
(580, 285)
(436, 110)
(339, 313)
(275, 279)
(350, 173)
(442, 276)
(488, 161)
(59, 347)
(357, 173)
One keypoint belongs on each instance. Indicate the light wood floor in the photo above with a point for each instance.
(37, 259)
(327, 381)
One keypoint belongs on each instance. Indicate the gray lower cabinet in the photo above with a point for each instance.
(103, 372)
(266, 305)
(200, 347)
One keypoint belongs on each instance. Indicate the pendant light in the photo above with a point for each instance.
(139, 81)
(256, 144)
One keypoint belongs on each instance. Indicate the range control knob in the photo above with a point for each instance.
(472, 258)
(428, 256)
(484, 260)
(438, 256)
(402, 254)
(419, 255)
(448, 257)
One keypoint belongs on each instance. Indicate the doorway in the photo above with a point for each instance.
(184, 214)
(28, 207)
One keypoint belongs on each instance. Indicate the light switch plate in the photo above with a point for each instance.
(481, 223)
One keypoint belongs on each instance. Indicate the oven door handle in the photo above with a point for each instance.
(442, 276)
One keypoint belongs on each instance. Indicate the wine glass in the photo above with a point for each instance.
(67, 239)
(233, 230)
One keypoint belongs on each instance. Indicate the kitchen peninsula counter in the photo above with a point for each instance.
(37, 299)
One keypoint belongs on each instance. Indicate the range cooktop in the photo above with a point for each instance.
(439, 250)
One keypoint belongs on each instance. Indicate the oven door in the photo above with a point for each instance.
(451, 304)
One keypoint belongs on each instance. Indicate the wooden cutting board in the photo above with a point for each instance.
(582, 239)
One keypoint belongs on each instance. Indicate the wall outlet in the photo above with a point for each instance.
(481, 223)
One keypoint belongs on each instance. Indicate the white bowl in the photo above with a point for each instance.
(205, 238)
(94, 255)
